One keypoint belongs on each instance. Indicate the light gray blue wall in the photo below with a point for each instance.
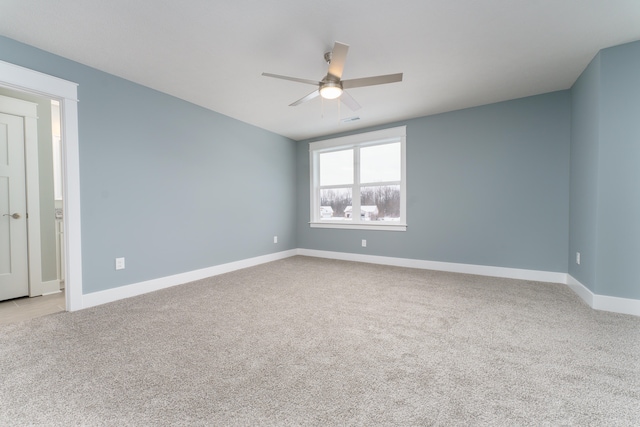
(170, 186)
(605, 202)
(585, 135)
(486, 185)
(618, 269)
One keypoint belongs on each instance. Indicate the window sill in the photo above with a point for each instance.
(359, 226)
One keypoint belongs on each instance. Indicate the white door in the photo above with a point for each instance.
(14, 273)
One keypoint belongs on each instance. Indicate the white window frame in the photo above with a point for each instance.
(386, 136)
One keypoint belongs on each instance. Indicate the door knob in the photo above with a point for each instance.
(14, 216)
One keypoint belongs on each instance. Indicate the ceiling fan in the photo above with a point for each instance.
(331, 86)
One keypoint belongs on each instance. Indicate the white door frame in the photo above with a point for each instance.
(26, 80)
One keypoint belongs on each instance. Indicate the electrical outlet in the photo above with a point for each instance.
(364, 243)
(119, 263)
(275, 239)
(578, 258)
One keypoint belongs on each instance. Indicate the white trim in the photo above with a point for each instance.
(480, 270)
(374, 137)
(110, 295)
(71, 204)
(595, 301)
(598, 302)
(50, 287)
(360, 226)
(617, 305)
(604, 302)
(26, 80)
(581, 290)
(33, 205)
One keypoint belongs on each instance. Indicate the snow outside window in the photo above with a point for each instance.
(359, 181)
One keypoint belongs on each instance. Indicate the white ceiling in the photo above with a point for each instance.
(453, 53)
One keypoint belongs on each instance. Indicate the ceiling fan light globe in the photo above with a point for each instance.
(330, 92)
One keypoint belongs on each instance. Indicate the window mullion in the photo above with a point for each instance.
(355, 198)
(331, 187)
(379, 183)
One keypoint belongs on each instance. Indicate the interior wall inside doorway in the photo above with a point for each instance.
(46, 182)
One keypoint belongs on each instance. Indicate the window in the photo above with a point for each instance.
(359, 181)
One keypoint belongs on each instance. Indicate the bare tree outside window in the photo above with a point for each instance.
(338, 199)
(386, 198)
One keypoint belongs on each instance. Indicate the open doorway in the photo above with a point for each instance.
(30, 82)
(32, 244)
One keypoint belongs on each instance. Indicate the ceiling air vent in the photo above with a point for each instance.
(350, 119)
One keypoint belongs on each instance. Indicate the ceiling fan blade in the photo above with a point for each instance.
(293, 79)
(306, 98)
(371, 81)
(349, 101)
(338, 58)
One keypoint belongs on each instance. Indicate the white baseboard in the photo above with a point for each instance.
(581, 290)
(595, 301)
(604, 302)
(50, 287)
(480, 270)
(110, 295)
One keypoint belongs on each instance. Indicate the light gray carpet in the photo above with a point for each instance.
(307, 341)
